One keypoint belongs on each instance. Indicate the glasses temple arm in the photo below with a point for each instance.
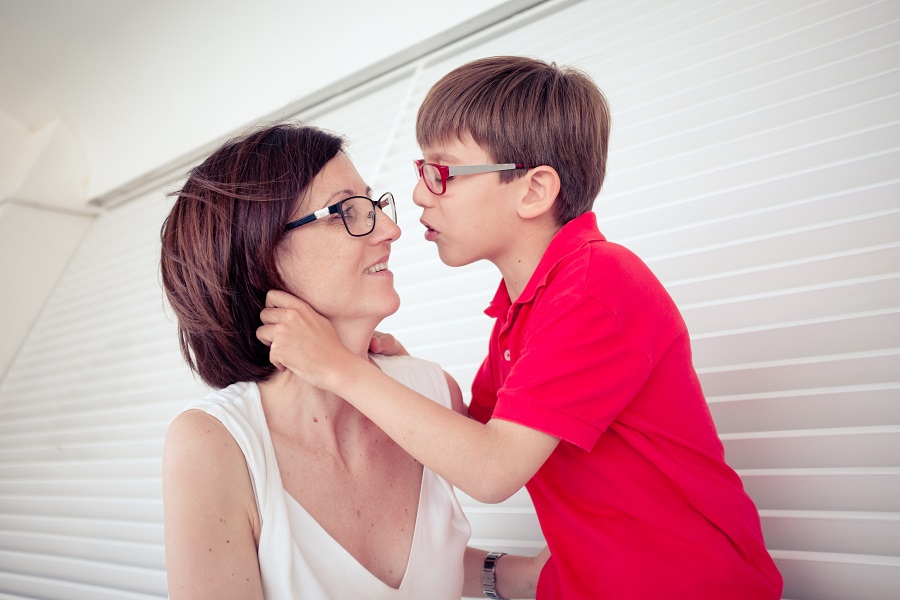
(472, 169)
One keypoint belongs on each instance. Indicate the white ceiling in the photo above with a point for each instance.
(137, 83)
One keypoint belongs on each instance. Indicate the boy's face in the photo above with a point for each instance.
(475, 218)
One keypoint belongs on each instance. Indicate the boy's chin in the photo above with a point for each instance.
(454, 260)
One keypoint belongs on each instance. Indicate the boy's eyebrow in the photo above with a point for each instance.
(441, 159)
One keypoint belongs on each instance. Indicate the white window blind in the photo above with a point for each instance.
(753, 165)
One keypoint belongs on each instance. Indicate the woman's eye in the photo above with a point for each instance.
(349, 214)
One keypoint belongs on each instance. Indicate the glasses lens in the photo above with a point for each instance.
(358, 214)
(387, 206)
(432, 176)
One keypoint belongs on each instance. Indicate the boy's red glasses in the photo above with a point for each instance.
(436, 176)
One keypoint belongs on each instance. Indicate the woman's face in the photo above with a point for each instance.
(344, 278)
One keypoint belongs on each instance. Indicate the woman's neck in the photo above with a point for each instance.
(294, 407)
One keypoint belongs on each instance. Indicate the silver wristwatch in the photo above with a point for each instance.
(489, 575)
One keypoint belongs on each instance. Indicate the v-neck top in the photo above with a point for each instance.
(297, 557)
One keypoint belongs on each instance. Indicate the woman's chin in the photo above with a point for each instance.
(394, 307)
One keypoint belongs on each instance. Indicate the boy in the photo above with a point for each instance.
(588, 395)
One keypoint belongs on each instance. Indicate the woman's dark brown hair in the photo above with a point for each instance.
(219, 243)
(523, 110)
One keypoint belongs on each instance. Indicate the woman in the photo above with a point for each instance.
(273, 488)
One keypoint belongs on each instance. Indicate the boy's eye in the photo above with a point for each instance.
(432, 175)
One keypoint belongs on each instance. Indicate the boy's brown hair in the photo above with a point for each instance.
(219, 243)
(523, 110)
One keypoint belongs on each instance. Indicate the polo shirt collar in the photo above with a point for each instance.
(571, 236)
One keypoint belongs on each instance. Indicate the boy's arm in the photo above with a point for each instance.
(387, 345)
(516, 576)
(489, 462)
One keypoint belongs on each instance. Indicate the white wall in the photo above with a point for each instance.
(42, 183)
(141, 83)
(36, 244)
(753, 166)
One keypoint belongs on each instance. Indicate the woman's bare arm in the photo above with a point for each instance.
(210, 513)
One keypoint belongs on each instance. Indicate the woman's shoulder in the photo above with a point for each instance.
(231, 416)
(404, 363)
(208, 418)
(422, 375)
(196, 442)
(237, 398)
(194, 429)
(215, 431)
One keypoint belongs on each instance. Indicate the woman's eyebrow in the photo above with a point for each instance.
(342, 194)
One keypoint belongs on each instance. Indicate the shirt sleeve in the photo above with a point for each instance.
(484, 394)
(577, 370)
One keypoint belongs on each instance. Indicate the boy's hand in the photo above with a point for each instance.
(386, 344)
(300, 339)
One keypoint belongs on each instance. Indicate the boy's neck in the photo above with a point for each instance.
(518, 265)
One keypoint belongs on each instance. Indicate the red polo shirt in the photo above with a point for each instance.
(636, 501)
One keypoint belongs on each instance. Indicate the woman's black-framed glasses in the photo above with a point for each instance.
(436, 176)
(357, 213)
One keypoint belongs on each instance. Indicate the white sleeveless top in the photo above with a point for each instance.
(299, 559)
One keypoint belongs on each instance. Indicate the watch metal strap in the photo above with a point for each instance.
(489, 575)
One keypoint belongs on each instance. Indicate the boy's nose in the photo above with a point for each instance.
(422, 196)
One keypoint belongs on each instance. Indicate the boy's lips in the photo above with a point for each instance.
(430, 232)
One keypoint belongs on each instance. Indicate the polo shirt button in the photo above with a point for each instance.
(506, 355)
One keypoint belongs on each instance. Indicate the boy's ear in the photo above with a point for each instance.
(542, 189)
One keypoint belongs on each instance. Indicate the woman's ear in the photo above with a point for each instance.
(542, 189)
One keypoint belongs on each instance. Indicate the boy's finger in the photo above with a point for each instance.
(276, 298)
(282, 299)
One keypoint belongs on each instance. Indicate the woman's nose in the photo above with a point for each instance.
(386, 228)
